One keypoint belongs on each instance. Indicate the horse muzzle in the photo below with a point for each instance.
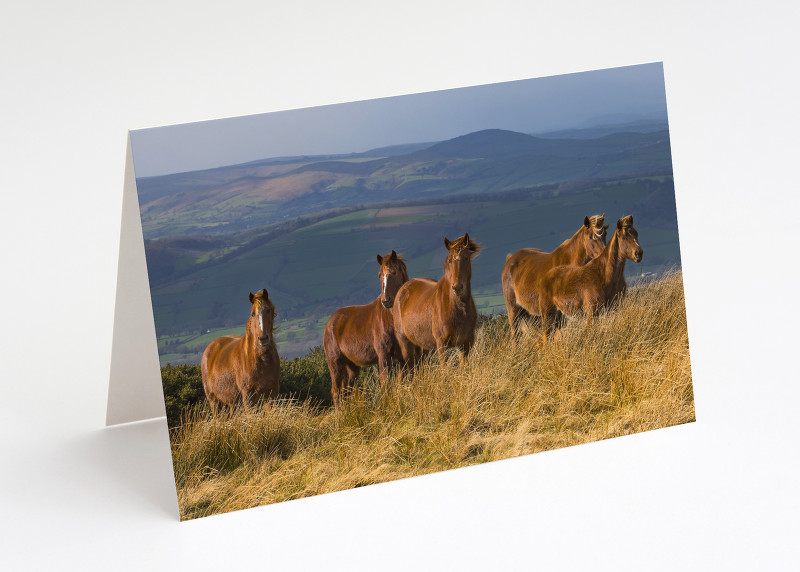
(459, 290)
(637, 256)
(387, 303)
(264, 340)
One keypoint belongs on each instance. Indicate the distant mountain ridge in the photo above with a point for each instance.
(601, 130)
(238, 197)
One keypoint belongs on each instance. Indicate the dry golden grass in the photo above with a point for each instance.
(629, 373)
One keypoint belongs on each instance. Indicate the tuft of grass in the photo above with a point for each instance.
(629, 372)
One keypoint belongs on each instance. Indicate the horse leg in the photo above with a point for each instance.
(464, 354)
(247, 401)
(440, 347)
(338, 375)
(213, 403)
(408, 355)
(383, 367)
(544, 313)
(352, 375)
(511, 307)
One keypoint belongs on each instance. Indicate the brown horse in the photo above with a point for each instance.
(437, 315)
(523, 272)
(243, 369)
(357, 336)
(571, 289)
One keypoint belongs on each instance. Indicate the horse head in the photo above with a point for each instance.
(594, 235)
(262, 316)
(458, 267)
(392, 275)
(629, 239)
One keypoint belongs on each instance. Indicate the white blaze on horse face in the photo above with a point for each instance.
(261, 322)
(385, 281)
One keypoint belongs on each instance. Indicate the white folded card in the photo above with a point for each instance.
(326, 298)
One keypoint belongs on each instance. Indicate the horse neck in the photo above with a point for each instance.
(445, 285)
(613, 262)
(376, 306)
(250, 344)
(571, 251)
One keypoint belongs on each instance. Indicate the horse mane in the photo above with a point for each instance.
(596, 224)
(403, 268)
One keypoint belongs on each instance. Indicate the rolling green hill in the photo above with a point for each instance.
(241, 197)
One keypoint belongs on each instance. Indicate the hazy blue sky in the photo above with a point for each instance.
(528, 106)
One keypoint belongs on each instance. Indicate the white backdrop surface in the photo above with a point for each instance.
(720, 493)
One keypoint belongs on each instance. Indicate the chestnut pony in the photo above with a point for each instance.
(357, 336)
(436, 315)
(243, 369)
(524, 270)
(571, 289)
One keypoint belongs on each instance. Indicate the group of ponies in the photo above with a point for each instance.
(584, 274)
(409, 316)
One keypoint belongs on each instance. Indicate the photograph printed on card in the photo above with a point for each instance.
(355, 293)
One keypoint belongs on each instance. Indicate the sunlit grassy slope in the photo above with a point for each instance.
(629, 373)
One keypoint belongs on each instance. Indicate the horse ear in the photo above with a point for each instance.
(252, 297)
(447, 243)
(380, 259)
(630, 218)
(265, 293)
(393, 256)
(586, 222)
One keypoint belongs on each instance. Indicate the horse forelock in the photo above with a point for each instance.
(401, 265)
(260, 302)
(461, 243)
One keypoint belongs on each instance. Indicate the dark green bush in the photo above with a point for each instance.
(183, 386)
(307, 377)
